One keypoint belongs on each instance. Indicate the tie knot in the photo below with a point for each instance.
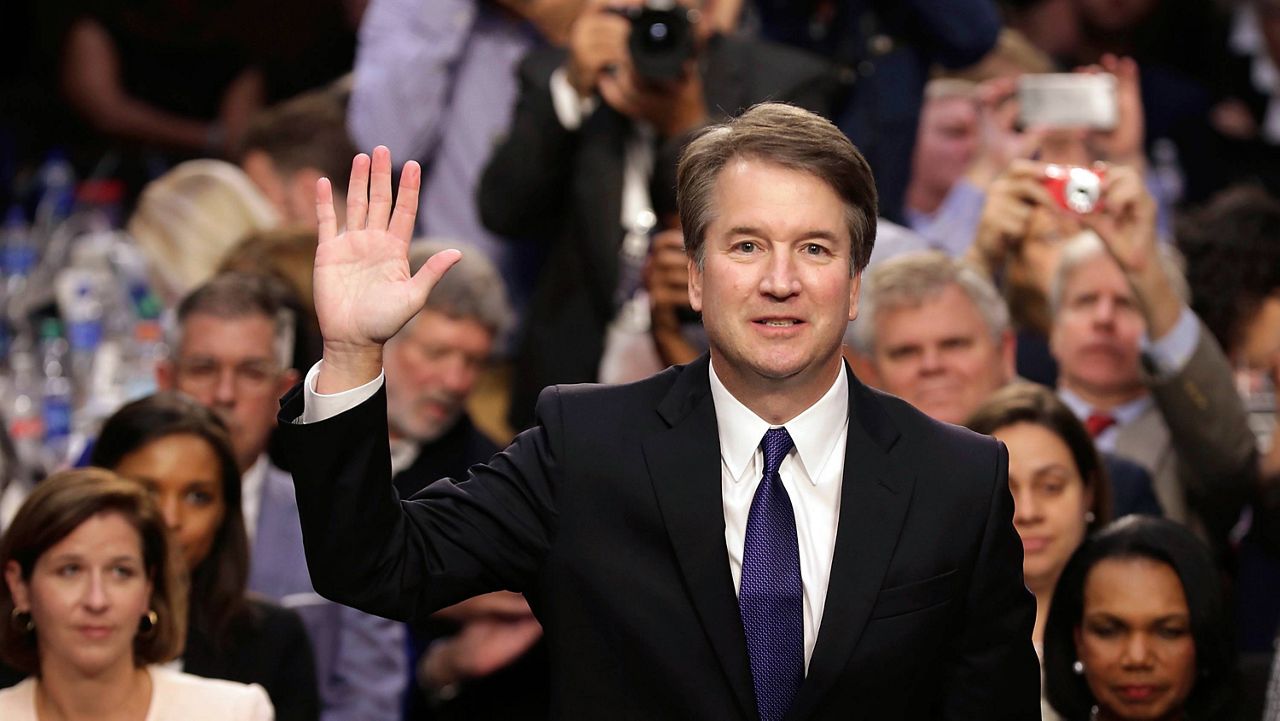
(777, 442)
(1096, 423)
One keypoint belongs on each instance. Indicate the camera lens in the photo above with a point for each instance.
(658, 33)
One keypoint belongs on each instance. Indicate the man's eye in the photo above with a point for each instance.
(69, 569)
(814, 249)
(746, 246)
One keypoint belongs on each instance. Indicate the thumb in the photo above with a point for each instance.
(432, 271)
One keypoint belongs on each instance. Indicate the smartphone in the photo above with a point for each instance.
(1067, 100)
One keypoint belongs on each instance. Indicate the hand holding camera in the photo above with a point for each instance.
(641, 57)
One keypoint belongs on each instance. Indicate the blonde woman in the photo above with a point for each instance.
(187, 219)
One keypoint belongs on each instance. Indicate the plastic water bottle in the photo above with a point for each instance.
(143, 352)
(80, 293)
(58, 402)
(18, 258)
(23, 409)
(56, 179)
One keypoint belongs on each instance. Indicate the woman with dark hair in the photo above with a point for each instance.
(1138, 629)
(1060, 489)
(180, 451)
(93, 598)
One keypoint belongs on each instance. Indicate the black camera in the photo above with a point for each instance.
(661, 38)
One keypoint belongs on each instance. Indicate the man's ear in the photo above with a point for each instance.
(1009, 355)
(695, 286)
(288, 379)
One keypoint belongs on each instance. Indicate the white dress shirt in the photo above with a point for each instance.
(812, 473)
(251, 494)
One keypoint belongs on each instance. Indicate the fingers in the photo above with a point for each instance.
(380, 189)
(406, 211)
(431, 271)
(358, 192)
(326, 218)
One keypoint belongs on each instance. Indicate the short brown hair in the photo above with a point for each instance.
(787, 136)
(58, 506)
(306, 131)
(1025, 402)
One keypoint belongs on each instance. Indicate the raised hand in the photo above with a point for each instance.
(363, 290)
(1126, 222)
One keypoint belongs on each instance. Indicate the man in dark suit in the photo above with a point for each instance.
(856, 559)
(591, 133)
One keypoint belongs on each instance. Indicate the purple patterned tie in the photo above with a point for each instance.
(770, 596)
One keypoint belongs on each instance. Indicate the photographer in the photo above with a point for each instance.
(593, 127)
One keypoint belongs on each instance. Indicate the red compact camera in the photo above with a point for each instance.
(1076, 189)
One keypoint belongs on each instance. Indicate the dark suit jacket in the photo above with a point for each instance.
(608, 516)
(564, 189)
(268, 646)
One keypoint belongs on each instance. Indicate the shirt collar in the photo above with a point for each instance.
(1124, 413)
(815, 431)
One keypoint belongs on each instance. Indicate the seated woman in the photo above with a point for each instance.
(179, 450)
(1060, 490)
(93, 597)
(1138, 628)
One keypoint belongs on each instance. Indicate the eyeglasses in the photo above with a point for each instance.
(205, 373)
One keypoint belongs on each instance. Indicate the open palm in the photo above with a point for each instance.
(364, 292)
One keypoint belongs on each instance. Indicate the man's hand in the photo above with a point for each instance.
(1123, 143)
(497, 628)
(666, 279)
(597, 41)
(1126, 222)
(363, 290)
(1011, 200)
(1001, 141)
(673, 107)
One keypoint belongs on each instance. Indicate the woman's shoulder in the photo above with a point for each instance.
(18, 703)
(180, 696)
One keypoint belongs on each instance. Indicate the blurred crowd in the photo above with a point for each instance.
(1078, 253)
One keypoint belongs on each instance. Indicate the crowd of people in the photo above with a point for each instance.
(1102, 298)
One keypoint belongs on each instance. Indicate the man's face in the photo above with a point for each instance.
(775, 291)
(432, 365)
(1098, 329)
(947, 141)
(230, 365)
(940, 356)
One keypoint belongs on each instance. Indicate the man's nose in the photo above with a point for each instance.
(781, 278)
(931, 360)
(224, 391)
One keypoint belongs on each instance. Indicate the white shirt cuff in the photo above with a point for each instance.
(318, 407)
(1171, 353)
(570, 108)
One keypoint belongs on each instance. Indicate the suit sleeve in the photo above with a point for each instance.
(404, 73)
(526, 179)
(1210, 431)
(404, 560)
(995, 675)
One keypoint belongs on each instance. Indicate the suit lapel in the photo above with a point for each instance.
(684, 466)
(874, 497)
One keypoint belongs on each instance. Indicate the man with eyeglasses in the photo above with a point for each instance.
(230, 351)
